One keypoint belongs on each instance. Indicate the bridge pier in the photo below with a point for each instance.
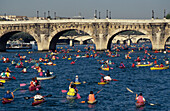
(101, 43)
(43, 44)
(128, 42)
(71, 42)
(158, 36)
(81, 42)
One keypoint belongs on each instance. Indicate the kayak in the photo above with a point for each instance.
(102, 83)
(24, 72)
(94, 102)
(46, 78)
(71, 97)
(7, 101)
(121, 67)
(138, 105)
(37, 102)
(32, 88)
(20, 66)
(159, 68)
(69, 58)
(105, 69)
(6, 78)
(143, 65)
(77, 83)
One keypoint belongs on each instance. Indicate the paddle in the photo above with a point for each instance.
(13, 77)
(94, 94)
(136, 93)
(33, 97)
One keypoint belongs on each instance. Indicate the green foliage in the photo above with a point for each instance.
(25, 36)
(168, 16)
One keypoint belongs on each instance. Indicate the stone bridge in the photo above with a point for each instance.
(47, 32)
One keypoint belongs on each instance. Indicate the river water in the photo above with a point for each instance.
(114, 97)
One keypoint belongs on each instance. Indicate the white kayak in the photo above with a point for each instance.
(45, 78)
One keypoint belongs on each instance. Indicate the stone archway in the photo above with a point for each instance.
(55, 35)
(118, 31)
(6, 35)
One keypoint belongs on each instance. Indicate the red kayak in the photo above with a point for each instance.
(37, 102)
(121, 67)
(20, 66)
(6, 78)
(7, 101)
(138, 105)
(32, 88)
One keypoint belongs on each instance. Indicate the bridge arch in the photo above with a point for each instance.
(118, 31)
(55, 35)
(8, 34)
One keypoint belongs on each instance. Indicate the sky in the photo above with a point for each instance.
(120, 9)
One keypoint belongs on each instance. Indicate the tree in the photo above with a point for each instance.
(168, 16)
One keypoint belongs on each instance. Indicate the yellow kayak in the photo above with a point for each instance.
(69, 58)
(102, 83)
(77, 83)
(105, 69)
(89, 102)
(159, 68)
(144, 65)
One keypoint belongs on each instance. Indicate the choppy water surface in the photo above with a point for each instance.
(153, 84)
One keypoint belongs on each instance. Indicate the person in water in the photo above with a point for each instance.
(38, 97)
(24, 70)
(133, 65)
(3, 75)
(36, 81)
(91, 97)
(140, 99)
(102, 79)
(7, 74)
(41, 73)
(7, 69)
(161, 65)
(155, 62)
(8, 95)
(32, 83)
(50, 63)
(48, 73)
(107, 78)
(76, 79)
(13, 62)
(72, 91)
(122, 65)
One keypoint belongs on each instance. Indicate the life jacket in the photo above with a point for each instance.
(32, 83)
(161, 65)
(140, 99)
(91, 97)
(3, 74)
(71, 92)
(133, 65)
(102, 80)
(41, 74)
(7, 74)
(155, 62)
(7, 59)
